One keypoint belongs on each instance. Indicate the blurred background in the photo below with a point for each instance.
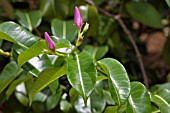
(127, 30)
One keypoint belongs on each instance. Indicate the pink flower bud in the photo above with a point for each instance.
(49, 42)
(77, 19)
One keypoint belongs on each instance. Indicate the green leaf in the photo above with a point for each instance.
(53, 100)
(163, 91)
(118, 79)
(24, 77)
(93, 20)
(73, 94)
(63, 29)
(111, 109)
(139, 100)
(23, 99)
(54, 8)
(162, 104)
(48, 9)
(33, 51)
(61, 43)
(100, 78)
(41, 97)
(81, 73)
(97, 100)
(41, 63)
(29, 20)
(168, 2)
(108, 98)
(54, 86)
(144, 13)
(17, 34)
(44, 79)
(96, 52)
(6, 37)
(8, 74)
(65, 106)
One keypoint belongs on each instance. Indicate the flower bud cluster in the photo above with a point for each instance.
(78, 22)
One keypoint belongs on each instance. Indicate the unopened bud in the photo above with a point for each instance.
(49, 42)
(86, 27)
(77, 19)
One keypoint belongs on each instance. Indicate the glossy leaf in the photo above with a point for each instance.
(81, 74)
(144, 13)
(163, 91)
(24, 77)
(139, 100)
(100, 78)
(41, 63)
(29, 20)
(64, 29)
(6, 37)
(96, 52)
(33, 51)
(23, 99)
(17, 34)
(44, 79)
(118, 79)
(162, 104)
(8, 74)
(61, 43)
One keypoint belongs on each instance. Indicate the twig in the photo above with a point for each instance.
(127, 32)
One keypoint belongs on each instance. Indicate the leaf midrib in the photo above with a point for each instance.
(79, 71)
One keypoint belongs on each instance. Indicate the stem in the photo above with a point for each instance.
(29, 22)
(101, 71)
(158, 111)
(64, 30)
(5, 54)
(127, 32)
(54, 53)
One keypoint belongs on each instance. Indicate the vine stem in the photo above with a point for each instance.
(127, 32)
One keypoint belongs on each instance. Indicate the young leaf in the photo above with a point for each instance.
(44, 79)
(29, 20)
(81, 73)
(162, 104)
(8, 74)
(144, 13)
(118, 79)
(67, 29)
(33, 51)
(139, 100)
(17, 34)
